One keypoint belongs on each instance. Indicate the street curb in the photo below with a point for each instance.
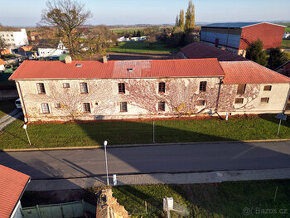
(139, 145)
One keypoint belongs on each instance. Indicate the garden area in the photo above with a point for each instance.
(227, 199)
(142, 47)
(129, 132)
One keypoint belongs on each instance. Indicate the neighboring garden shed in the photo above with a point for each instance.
(236, 37)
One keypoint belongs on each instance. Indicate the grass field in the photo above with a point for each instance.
(141, 47)
(6, 107)
(94, 133)
(286, 43)
(123, 30)
(228, 199)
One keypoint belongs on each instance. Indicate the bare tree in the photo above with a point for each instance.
(66, 16)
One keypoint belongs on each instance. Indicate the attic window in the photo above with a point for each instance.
(130, 70)
(79, 65)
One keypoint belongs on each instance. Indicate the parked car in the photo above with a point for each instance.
(18, 103)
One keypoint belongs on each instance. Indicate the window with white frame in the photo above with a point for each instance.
(45, 108)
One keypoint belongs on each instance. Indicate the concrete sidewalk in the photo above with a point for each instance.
(9, 118)
(161, 178)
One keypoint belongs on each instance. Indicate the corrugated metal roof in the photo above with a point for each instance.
(231, 25)
(12, 184)
(249, 72)
(119, 69)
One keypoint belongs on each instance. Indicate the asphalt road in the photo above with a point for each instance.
(152, 159)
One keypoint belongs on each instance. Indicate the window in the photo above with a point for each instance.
(162, 87)
(87, 107)
(123, 107)
(40, 88)
(121, 88)
(79, 65)
(84, 88)
(202, 86)
(239, 101)
(201, 103)
(57, 105)
(265, 100)
(66, 85)
(267, 88)
(241, 89)
(161, 106)
(45, 108)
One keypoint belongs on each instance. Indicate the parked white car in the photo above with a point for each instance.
(18, 103)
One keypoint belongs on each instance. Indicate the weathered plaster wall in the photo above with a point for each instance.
(142, 97)
(252, 99)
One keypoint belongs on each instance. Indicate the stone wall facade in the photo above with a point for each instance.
(182, 97)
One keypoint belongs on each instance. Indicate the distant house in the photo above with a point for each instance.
(5, 51)
(198, 50)
(14, 39)
(132, 39)
(286, 36)
(25, 48)
(12, 187)
(2, 67)
(53, 52)
(135, 89)
(236, 37)
(284, 69)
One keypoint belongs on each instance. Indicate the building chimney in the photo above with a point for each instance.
(105, 59)
(68, 59)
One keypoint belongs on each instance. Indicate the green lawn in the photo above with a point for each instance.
(228, 199)
(94, 133)
(141, 47)
(124, 30)
(6, 107)
(286, 43)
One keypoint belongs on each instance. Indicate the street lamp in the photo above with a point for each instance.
(25, 128)
(105, 146)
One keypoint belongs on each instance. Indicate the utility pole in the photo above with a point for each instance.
(153, 133)
(106, 160)
(25, 128)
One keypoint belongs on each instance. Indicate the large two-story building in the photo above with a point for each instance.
(236, 37)
(14, 39)
(92, 90)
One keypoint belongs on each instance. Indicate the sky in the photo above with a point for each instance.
(129, 12)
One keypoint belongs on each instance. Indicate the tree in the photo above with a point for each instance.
(189, 18)
(255, 53)
(181, 19)
(177, 21)
(277, 58)
(66, 16)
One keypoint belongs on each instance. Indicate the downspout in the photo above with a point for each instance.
(22, 100)
(218, 96)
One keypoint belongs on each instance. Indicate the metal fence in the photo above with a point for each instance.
(63, 210)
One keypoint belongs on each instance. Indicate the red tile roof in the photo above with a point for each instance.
(2, 62)
(119, 69)
(201, 50)
(243, 72)
(12, 185)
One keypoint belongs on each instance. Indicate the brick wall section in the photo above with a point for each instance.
(270, 35)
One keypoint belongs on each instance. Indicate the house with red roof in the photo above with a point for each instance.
(237, 36)
(92, 90)
(12, 187)
(2, 65)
